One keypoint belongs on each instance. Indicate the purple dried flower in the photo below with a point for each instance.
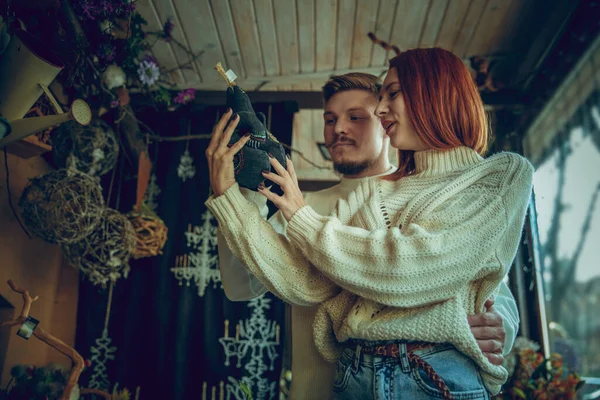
(148, 72)
(114, 104)
(185, 96)
(168, 30)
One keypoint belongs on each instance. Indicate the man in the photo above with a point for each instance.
(359, 149)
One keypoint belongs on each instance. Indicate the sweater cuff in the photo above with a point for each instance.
(230, 205)
(303, 226)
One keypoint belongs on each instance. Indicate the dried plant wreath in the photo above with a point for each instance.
(150, 232)
(104, 255)
(62, 206)
(92, 149)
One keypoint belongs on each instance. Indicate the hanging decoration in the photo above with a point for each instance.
(102, 351)
(186, 169)
(255, 347)
(150, 230)
(62, 206)
(150, 233)
(152, 193)
(91, 149)
(202, 265)
(104, 255)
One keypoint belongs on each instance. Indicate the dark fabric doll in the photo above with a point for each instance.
(253, 158)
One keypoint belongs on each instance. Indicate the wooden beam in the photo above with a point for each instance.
(305, 100)
(269, 82)
(551, 30)
(314, 100)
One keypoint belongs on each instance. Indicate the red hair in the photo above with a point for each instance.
(442, 102)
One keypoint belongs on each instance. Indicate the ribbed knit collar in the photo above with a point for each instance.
(351, 183)
(435, 162)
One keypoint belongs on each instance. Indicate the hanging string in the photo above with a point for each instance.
(108, 305)
(10, 195)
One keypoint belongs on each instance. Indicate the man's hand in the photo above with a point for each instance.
(220, 156)
(489, 332)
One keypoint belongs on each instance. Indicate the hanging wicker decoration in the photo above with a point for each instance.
(104, 255)
(150, 233)
(62, 206)
(92, 149)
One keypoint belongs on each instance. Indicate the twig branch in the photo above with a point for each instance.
(48, 339)
(98, 392)
(27, 301)
(302, 156)
(158, 138)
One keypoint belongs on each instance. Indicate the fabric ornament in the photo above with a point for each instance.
(253, 158)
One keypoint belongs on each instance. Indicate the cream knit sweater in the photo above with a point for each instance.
(420, 253)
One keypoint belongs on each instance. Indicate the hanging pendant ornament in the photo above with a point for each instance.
(102, 352)
(201, 265)
(151, 197)
(186, 169)
(254, 347)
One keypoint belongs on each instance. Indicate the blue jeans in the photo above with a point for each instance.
(365, 376)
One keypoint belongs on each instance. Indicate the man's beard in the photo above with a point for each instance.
(352, 168)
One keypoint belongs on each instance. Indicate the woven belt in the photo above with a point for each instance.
(393, 350)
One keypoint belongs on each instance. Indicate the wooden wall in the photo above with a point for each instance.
(38, 267)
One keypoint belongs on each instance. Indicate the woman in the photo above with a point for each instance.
(416, 253)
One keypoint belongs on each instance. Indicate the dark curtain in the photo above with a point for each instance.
(170, 340)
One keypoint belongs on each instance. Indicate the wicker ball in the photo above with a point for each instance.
(150, 234)
(92, 149)
(62, 206)
(104, 255)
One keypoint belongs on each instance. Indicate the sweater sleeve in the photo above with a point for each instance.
(239, 283)
(268, 255)
(469, 236)
(506, 306)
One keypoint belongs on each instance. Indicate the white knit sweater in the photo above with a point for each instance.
(420, 253)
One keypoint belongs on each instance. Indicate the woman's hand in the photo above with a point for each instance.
(292, 199)
(220, 156)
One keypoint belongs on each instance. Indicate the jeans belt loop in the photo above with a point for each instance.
(404, 363)
(357, 358)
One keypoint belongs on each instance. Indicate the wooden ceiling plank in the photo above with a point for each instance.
(366, 21)
(301, 87)
(516, 28)
(383, 30)
(433, 23)
(485, 37)
(346, 19)
(268, 37)
(247, 36)
(408, 24)
(455, 15)
(545, 38)
(224, 22)
(326, 21)
(166, 10)
(468, 27)
(306, 34)
(161, 50)
(287, 35)
(198, 23)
